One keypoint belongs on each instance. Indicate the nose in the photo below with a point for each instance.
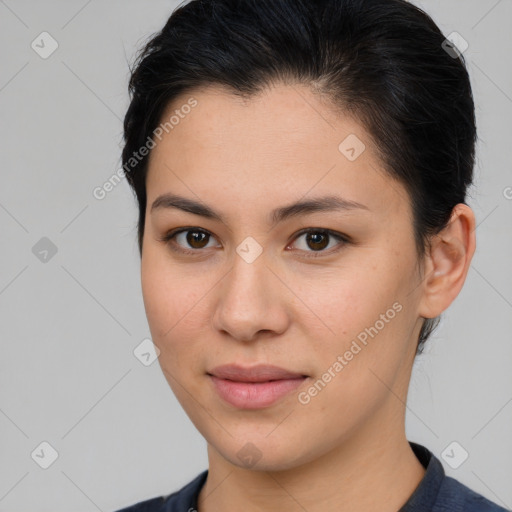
(251, 301)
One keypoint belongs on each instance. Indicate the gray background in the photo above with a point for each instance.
(68, 328)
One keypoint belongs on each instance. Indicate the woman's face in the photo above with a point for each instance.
(248, 288)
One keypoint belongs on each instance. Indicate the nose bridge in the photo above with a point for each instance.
(247, 283)
(247, 302)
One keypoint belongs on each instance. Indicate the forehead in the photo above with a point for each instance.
(276, 147)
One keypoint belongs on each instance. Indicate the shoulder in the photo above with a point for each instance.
(152, 505)
(454, 496)
(184, 499)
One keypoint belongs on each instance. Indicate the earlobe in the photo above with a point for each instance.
(448, 262)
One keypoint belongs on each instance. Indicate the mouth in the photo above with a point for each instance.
(258, 373)
(254, 387)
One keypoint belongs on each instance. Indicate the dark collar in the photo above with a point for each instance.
(425, 495)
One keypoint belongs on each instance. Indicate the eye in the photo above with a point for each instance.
(197, 239)
(194, 237)
(319, 240)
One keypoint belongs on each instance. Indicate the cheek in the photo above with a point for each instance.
(175, 308)
(345, 300)
(163, 289)
(365, 314)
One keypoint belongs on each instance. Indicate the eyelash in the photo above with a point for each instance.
(168, 238)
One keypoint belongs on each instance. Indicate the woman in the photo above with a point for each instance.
(301, 170)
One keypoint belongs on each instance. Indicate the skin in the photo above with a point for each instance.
(346, 449)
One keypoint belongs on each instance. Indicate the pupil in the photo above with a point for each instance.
(194, 237)
(314, 238)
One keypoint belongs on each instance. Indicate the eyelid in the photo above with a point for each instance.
(342, 239)
(169, 237)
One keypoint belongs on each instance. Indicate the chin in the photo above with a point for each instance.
(260, 453)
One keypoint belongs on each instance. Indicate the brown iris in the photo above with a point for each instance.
(318, 240)
(198, 237)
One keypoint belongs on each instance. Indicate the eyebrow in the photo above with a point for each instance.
(318, 204)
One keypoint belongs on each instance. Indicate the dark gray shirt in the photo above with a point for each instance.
(435, 493)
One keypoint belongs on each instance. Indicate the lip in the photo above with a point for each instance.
(254, 387)
(258, 373)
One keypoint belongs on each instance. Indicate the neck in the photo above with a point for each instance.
(374, 469)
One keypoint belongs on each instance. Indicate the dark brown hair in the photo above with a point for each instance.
(384, 61)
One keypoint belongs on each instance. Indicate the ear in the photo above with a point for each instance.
(448, 262)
